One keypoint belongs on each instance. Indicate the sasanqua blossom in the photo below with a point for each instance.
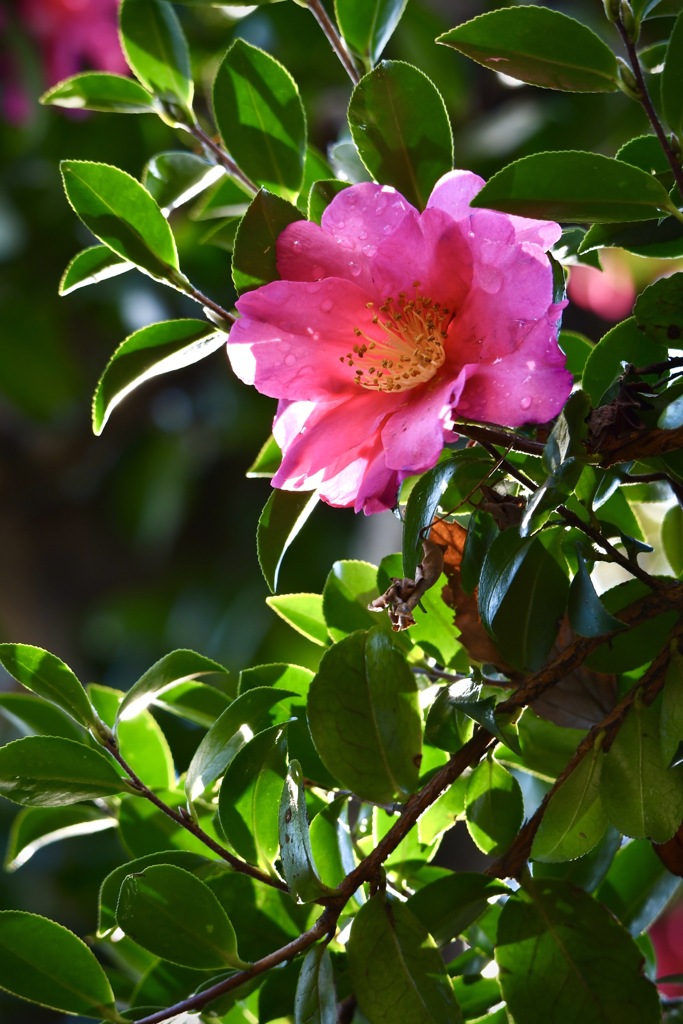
(388, 325)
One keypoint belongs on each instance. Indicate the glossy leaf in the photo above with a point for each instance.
(637, 886)
(36, 827)
(364, 717)
(144, 829)
(92, 265)
(587, 614)
(47, 964)
(659, 311)
(401, 129)
(98, 90)
(261, 119)
(147, 353)
(296, 854)
(421, 506)
(248, 714)
(283, 517)
(367, 25)
(123, 215)
(315, 1001)
(389, 950)
(449, 905)
(50, 678)
(522, 594)
(174, 915)
(642, 796)
(574, 820)
(563, 956)
(321, 195)
(111, 886)
(331, 841)
(349, 588)
(34, 716)
(157, 51)
(174, 668)
(250, 797)
(303, 612)
(575, 186)
(447, 725)
(141, 741)
(493, 806)
(671, 716)
(481, 532)
(637, 645)
(660, 239)
(254, 260)
(623, 344)
(672, 79)
(48, 771)
(176, 177)
(538, 46)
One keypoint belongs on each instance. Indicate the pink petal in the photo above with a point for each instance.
(414, 435)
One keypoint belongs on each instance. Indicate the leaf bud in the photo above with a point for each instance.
(675, 145)
(627, 80)
(628, 21)
(612, 10)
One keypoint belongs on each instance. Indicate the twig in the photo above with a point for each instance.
(336, 42)
(503, 438)
(223, 158)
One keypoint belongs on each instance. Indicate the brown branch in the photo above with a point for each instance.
(334, 39)
(638, 445)
(497, 435)
(513, 861)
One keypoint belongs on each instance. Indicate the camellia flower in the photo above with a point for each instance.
(388, 325)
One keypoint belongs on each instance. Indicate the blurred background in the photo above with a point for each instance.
(115, 550)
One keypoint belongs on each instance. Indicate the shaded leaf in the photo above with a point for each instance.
(349, 588)
(623, 344)
(303, 612)
(176, 177)
(36, 827)
(449, 905)
(50, 678)
(92, 265)
(672, 79)
(316, 1001)
(176, 667)
(421, 506)
(659, 311)
(98, 90)
(637, 886)
(367, 25)
(48, 771)
(493, 806)
(283, 517)
(587, 614)
(32, 715)
(296, 854)
(254, 260)
(157, 52)
(574, 820)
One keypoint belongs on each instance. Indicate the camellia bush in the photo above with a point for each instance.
(516, 667)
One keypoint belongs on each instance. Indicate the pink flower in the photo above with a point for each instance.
(388, 325)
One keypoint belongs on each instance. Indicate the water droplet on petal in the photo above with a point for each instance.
(354, 268)
(369, 250)
(326, 305)
(526, 402)
(362, 235)
(290, 360)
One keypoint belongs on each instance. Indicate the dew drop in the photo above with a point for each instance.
(326, 305)
(369, 250)
(526, 402)
(354, 268)
(362, 235)
(290, 360)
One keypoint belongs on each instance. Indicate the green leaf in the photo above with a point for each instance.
(642, 797)
(250, 797)
(447, 725)
(659, 311)
(283, 517)
(321, 195)
(331, 841)
(174, 915)
(174, 668)
(316, 1000)
(32, 715)
(522, 595)
(267, 462)
(147, 353)
(422, 503)
(563, 957)
(621, 345)
(364, 717)
(36, 827)
(50, 678)
(97, 90)
(303, 612)
(348, 589)
(141, 741)
(449, 905)
(538, 46)
(48, 771)
(254, 260)
(493, 807)
(574, 820)
(123, 215)
(390, 952)
(367, 25)
(248, 714)
(296, 854)
(637, 645)
(400, 126)
(261, 118)
(671, 718)
(575, 186)
(47, 964)
(157, 52)
(672, 79)
(637, 887)
(659, 239)
(587, 614)
(144, 829)
(111, 886)
(175, 177)
(92, 265)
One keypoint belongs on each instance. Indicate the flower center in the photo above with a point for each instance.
(410, 346)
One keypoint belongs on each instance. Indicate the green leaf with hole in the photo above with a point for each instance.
(174, 915)
(304, 613)
(45, 963)
(92, 265)
(177, 667)
(254, 260)
(298, 865)
(401, 129)
(261, 118)
(493, 806)
(250, 796)
(48, 676)
(157, 52)
(574, 820)
(538, 46)
(367, 25)
(364, 717)
(283, 517)
(147, 353)
(390, 951)
(48, 771)
(98, 90)
(575, 186)
(122, 214)
(563, 957)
